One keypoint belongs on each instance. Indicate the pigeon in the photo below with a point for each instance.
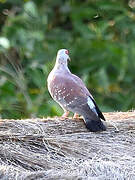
(69, 91)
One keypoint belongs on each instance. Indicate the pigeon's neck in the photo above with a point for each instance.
(61, 67)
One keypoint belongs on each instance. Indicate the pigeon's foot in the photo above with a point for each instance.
(65, 115)
(76, 116)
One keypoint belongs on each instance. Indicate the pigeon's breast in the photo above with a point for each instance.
(56, 88)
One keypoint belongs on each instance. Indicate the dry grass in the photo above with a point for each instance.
(53, 149)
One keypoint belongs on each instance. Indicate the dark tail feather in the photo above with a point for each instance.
(94, 125)
(98, 110)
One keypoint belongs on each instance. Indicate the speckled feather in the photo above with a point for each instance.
(72, 95)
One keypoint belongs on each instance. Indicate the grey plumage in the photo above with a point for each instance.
(72, 95)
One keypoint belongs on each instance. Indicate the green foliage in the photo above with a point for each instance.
(99, 35)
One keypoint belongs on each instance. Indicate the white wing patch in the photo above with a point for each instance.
(91, 105)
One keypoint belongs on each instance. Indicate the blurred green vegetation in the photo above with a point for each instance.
(100, 36)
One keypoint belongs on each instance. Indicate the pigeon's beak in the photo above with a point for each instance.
(69, 59)
(67, 52)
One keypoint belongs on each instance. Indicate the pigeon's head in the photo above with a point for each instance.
(63, 56)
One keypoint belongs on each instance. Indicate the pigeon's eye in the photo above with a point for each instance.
(66, 52)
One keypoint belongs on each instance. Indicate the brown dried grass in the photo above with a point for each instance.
(55, 149)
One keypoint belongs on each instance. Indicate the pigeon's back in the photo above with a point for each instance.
(72, 95)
